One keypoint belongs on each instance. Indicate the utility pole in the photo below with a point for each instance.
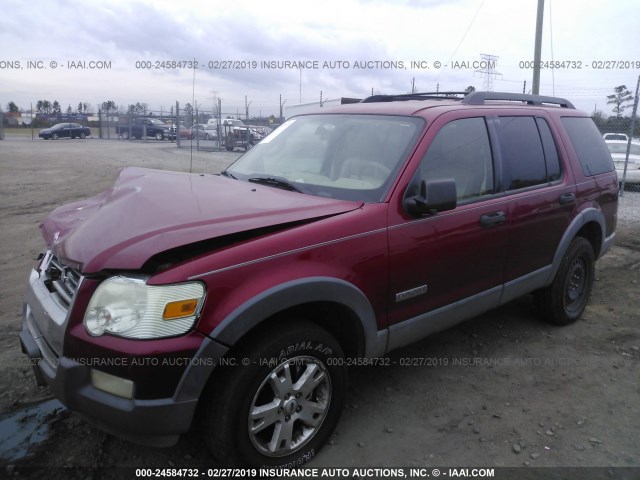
(321, 98)
(524, 87)
(246, 108)
(535, 89)
(631, 129)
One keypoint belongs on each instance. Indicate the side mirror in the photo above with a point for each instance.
(435, 196)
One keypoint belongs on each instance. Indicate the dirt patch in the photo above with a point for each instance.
(503, 389)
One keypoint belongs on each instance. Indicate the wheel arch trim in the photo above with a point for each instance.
(297, 293)
(586, 216)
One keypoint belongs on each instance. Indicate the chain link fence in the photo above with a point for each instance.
(622, 137)
(215, 129)
(207, 130)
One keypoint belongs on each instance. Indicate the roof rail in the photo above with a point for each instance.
(415, 96)
(479, 98)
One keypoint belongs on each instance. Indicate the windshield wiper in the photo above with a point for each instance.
(277, 182)
(225, 173)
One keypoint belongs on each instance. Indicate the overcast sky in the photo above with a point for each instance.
(375, 41)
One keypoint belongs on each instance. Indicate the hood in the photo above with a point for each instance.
(149, 211)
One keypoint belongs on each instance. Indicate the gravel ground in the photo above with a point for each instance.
(562, 397)
(629, 207)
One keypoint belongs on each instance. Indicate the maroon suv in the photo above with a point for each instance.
(240, 299)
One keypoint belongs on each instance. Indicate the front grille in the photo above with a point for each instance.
(61, 280)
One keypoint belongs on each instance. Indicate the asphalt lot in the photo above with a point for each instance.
(514, 391)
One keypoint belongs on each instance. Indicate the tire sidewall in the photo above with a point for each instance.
(315, 343)
(579, 248)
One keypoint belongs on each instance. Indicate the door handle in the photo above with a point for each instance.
(567, 198)
(491, 219)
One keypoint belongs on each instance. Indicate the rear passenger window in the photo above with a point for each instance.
(550, 152)
(592, 152)
(522, 153)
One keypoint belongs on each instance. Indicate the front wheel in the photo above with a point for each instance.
(125, 135)
(276, 402)
(83, 135)
(55, 136)
(565, 299)
(159, 136)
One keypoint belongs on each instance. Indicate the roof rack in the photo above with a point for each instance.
(473, 98)
(479, 98)
(415, 96)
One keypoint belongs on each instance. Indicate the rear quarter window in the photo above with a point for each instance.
(592, 152)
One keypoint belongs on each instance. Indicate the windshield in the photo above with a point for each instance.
(348, 157)
(622, 148)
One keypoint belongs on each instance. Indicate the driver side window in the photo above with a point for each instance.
(460, 150)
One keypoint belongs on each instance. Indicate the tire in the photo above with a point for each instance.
(159, 136)
(229, 149)
(206, 136)
(55, 136)
(562, 302)
(83, 135)
(125, 135)
(301, 368)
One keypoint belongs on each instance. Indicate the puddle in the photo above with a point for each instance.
(22, 429)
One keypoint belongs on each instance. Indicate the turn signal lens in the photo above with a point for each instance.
(180, 309)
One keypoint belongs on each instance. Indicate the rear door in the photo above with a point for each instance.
(66, 130)
(541, 195)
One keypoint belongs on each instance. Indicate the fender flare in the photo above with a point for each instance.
(585, 216)
(294, 293)
(268, 303)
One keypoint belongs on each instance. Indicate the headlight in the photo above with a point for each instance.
(128, 307)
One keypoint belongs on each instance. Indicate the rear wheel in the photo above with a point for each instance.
(280, 401)
(83, 135)
(125, 135)
(565, 299)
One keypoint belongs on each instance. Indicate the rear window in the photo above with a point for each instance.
(592, 152)
(522, 152)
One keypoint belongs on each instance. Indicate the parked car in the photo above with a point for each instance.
(144, 126)
(618, 149)
(615, 136)
(204, 132)
(185, 133)
(235, 302)
(65, 130)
